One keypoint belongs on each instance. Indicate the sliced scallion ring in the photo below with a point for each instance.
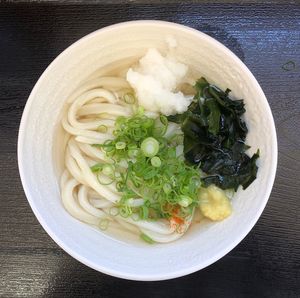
(150, 147)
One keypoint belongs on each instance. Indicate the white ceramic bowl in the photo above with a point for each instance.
(204, 244)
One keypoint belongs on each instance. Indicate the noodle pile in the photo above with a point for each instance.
(96, 104)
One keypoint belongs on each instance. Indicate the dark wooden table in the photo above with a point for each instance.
(265, 37)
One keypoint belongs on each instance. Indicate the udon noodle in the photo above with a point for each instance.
(94, 104)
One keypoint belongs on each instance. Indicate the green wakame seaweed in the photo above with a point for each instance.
(214, 136)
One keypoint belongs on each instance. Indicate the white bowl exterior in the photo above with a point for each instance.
(195, 250)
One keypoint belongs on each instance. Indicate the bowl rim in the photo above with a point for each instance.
(111, 271)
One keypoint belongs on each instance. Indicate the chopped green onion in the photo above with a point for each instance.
(155, 161)
(132, 146)
(167, 188)
(102, 128)
(144, 165)
(185, 201)
(113, 211)
(120, 145)
(173, 181)
(179, 150)
(150, 147)
(96, 168)
(129, 98)
(196, 181)
(140, 110)
(104, 182)
(184, 189)
(125, 211)
(161, 126)
(148, 123)
(146, 238)
(103, 225)
(144, 211)
(164, 120)
(109, 149)
(119, 186)
(108, 170)
(133, 153)
(177, 139)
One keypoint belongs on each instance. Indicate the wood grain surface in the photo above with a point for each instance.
(265, 36)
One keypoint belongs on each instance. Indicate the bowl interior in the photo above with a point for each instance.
(107, 51)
